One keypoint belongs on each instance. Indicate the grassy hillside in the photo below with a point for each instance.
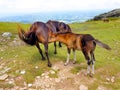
(25, 57)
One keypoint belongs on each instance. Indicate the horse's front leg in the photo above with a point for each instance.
(55, 52)
(74, 56)
(40, 50)
(68, 56)
(46, 52)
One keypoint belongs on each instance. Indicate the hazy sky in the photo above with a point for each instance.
(29, 6)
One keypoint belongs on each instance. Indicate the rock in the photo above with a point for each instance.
(101, 88)
(57, 80)
(37, 77)
(113, 13)
(83, 87)
(113, 79)
(36, 67)
(29, 85)
(55, 68)
(52, 72)
(3, 77)
(6, 34)
(43, 74)
(23, 72)
(108, 79)
(46, 77)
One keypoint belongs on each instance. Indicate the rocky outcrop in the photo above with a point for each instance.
(113, 13)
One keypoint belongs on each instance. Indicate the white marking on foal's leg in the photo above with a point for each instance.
(88, 69)
(93, 69)
(74, 57)
(67, 61)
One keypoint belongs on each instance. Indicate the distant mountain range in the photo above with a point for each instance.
(67, 17)
(113, 13)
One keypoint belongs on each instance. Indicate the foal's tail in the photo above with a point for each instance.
(103, 45)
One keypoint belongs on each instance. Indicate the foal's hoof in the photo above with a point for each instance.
(90, 75)
(43, 58)
(49, 65)
(65, 64)
(74, 62)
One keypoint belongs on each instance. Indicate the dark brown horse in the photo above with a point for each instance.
(56, 26)
(84, 42)
(38, 33)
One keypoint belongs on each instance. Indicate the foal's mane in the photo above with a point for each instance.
(65, 32)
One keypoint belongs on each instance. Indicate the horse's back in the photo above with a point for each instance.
(41, 30)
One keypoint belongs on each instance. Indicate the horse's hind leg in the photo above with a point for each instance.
(88, 60)
(40, 50)
(68, 57)
(46, 52)
(93, 61)
(74, 56)
(55, 52)
(60, 45)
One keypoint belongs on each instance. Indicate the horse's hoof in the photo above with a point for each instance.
(74, 62)
(43, 58)
(55, 52)
(49, 65)
(60, 46)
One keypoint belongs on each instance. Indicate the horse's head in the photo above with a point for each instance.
(64, 27)
(52, 36)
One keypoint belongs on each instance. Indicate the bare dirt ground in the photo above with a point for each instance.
(65, 80)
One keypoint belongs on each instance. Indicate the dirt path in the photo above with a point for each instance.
(65, 80)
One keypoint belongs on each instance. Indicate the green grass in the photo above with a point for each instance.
(107, 62)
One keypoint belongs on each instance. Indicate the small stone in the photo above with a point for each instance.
(52, 72)
(57, 80)
(55, 68)
(46, 77)
(3, 77)
(17, 71)
(36, 67)
(108, 79)
(37, 77)
(23, 72)
(113, 79)
(43, 74)
(102, 88)
(47, 85)
(83, 87)
(1, 58)
(29, 85)
(78, 73)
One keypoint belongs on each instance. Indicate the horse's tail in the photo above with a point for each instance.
(103, 45)
(28, 37)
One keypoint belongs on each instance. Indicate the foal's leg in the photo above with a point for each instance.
(68, 56)
(60, 44)
(93, 61)
(40, 50)
(46, 52)
(88, 60)
(74, 56)
(55, 52)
